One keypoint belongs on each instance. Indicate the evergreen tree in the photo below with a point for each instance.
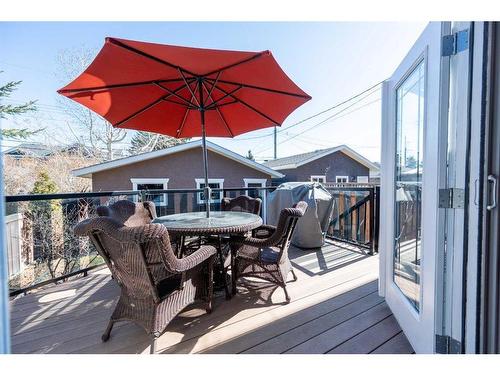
(7, 110)
(44, 184)
(146, 141)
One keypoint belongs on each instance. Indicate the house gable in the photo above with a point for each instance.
(181, 168)
(88, 171)
(331, 165)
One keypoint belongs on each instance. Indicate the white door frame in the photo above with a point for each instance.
(419, 327)
(4, 296)
(450, 323)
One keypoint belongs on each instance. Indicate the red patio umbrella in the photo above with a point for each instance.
(186, 92)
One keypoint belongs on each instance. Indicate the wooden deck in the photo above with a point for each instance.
(335, 308)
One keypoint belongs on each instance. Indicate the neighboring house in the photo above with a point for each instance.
(29, 150)
(332, 165)
(42, 151)
(179, 167)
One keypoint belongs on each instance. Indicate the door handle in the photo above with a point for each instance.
(493, 181)
(476, 191)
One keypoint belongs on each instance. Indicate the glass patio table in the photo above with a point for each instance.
(219, 223)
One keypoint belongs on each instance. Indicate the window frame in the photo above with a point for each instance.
(367, 179)
(151, 180)
(341, 182)
(200, 181)
(261, 181)
(318, 176)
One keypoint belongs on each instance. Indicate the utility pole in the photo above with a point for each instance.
(275, 142)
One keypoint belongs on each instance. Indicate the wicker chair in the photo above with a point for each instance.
(267, 258)
(155, 284)
(242, 203)
(129, 213)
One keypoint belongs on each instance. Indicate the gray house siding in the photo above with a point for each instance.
(336, 164)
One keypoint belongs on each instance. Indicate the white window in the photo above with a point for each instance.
(318, 178)
(152, 184)
(341, 179)
(362, 179)
(213, 183)
(255, 183)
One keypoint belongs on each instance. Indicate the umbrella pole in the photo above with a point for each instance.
(207, 193)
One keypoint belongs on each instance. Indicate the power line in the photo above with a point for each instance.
(335, 116)
(316, 114)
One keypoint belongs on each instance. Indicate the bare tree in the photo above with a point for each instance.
(145, 141)
(20, 174)
(97, 134)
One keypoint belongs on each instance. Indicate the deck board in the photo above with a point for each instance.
(335, 307)
(396, 345)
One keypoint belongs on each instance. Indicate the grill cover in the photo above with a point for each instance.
(311, 228)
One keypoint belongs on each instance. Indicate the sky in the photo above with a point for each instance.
(331, 61)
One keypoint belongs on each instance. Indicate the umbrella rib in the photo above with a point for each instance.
(220, 70)
(250, 106)
(189, 88)
(181, 127)
(214, 103)
(181, 104)
(217, 109)
(263, 88)
(227, 103)
(116, 86)
(147, 55)
(174, 93)
(224, 121)
(146, 107)
(213, 86)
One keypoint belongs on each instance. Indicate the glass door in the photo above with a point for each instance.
(413, 169)
(410, 99)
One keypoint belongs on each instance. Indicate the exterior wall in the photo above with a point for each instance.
(336, 164)
(181, 169)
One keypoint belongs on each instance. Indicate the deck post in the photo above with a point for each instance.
(4, 299)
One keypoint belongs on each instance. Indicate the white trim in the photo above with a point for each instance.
(341, 177)
(473, 259)
(365, 177)
(318, 177)
(263, 183)
(88, 171)
(419, 327)
(342, 148)
(142, 180)
(200, 181)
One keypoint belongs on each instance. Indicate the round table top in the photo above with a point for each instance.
(219, 222)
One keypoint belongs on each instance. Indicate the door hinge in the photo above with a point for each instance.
(451, 198)
(448, 345)
(455, 43)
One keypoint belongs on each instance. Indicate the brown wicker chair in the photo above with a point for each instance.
(155, 284)
(267, 258)
(242, 203)
(129, 213)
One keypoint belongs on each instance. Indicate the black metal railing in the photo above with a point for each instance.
(42, 248)
(355, 218)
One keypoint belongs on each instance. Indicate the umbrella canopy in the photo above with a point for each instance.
(185, 92)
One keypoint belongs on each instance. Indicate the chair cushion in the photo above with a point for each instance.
(269, 255)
